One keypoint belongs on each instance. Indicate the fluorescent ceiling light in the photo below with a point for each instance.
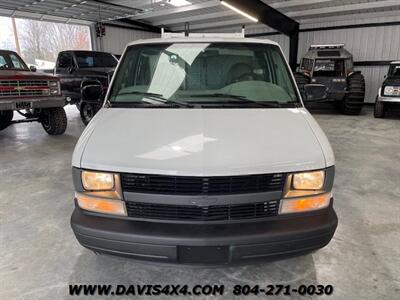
(239, 11)
(179, 2)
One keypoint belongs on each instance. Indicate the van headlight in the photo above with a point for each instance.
(388, 91)
(102, 193)
(305, 191)
(98, 181)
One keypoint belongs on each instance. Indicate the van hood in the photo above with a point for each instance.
(202, 142)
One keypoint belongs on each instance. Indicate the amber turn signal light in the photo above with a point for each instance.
(303, 204)
(101, 205)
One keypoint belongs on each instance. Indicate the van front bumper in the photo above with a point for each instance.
(205, 244)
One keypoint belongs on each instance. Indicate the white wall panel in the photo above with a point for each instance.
(117, 38)
(282, 40)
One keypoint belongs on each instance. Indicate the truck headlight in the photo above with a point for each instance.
(102, 193)
(388, 91)
(305, 191)
(54, 87)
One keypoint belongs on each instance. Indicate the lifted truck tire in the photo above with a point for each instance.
(6, 117)
(354, 99)
(87, 111)
(301, 81)
(379, 109)
(54, 120)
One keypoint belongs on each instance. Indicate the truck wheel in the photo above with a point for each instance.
(354, 99)
(301, 81)
(6, 117)
(54, 120)
(88, 111)
(379, 110)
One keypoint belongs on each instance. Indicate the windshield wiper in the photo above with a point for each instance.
(154, 96)
(237, 99)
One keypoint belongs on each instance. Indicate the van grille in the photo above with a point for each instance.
(24, 88)
(202, 213)
(189, 185)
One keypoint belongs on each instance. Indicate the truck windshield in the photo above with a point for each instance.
(89, 59)
(213, 73)
(329, 67)
(10, 60)
(394, 71)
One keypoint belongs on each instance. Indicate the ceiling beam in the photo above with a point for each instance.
(228, 13)
(344, 8)
(202, 17)
(176, 10)
(293, 3)
(239, 22)
(267, 15)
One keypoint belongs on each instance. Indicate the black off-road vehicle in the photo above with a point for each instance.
(77, 69)
(35, 96)
(389, 93)
(332, 66)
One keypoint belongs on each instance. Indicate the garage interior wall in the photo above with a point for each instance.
(117, 38)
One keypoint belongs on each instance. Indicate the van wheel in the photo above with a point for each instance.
(354, 99)
(6, 117)
(379, 110)
(54, 120)
(88, 111)
(301, 81)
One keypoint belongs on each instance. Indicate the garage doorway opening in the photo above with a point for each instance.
(39, 42)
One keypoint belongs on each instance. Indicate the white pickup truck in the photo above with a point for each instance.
(203, 153)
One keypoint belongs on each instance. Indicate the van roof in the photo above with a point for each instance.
(203, 40)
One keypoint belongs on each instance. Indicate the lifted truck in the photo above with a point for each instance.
(332, 66)
(77, 69)
(37, 97)
(389, 93)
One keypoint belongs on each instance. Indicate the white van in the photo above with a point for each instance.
(203, 153)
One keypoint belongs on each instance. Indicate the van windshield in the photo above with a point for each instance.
(214, 73)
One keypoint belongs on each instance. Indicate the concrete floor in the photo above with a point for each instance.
(39, 255)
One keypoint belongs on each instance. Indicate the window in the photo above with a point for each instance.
(95, 60)
(10, 60)
(306, 64)
(16, 62)
(394, 70)
(65, 61)
(329, 67)
(39, 42)
(203, 72)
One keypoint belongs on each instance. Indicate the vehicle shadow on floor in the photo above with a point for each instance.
(102, 269)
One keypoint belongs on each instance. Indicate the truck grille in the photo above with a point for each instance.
(218, 185)
(24, 88)
(202, 213)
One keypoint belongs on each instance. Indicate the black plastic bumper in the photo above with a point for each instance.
(205, 244)
(31, 103)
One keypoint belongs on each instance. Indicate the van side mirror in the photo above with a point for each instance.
(92, 93)
(32, 68)
(315, 92)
